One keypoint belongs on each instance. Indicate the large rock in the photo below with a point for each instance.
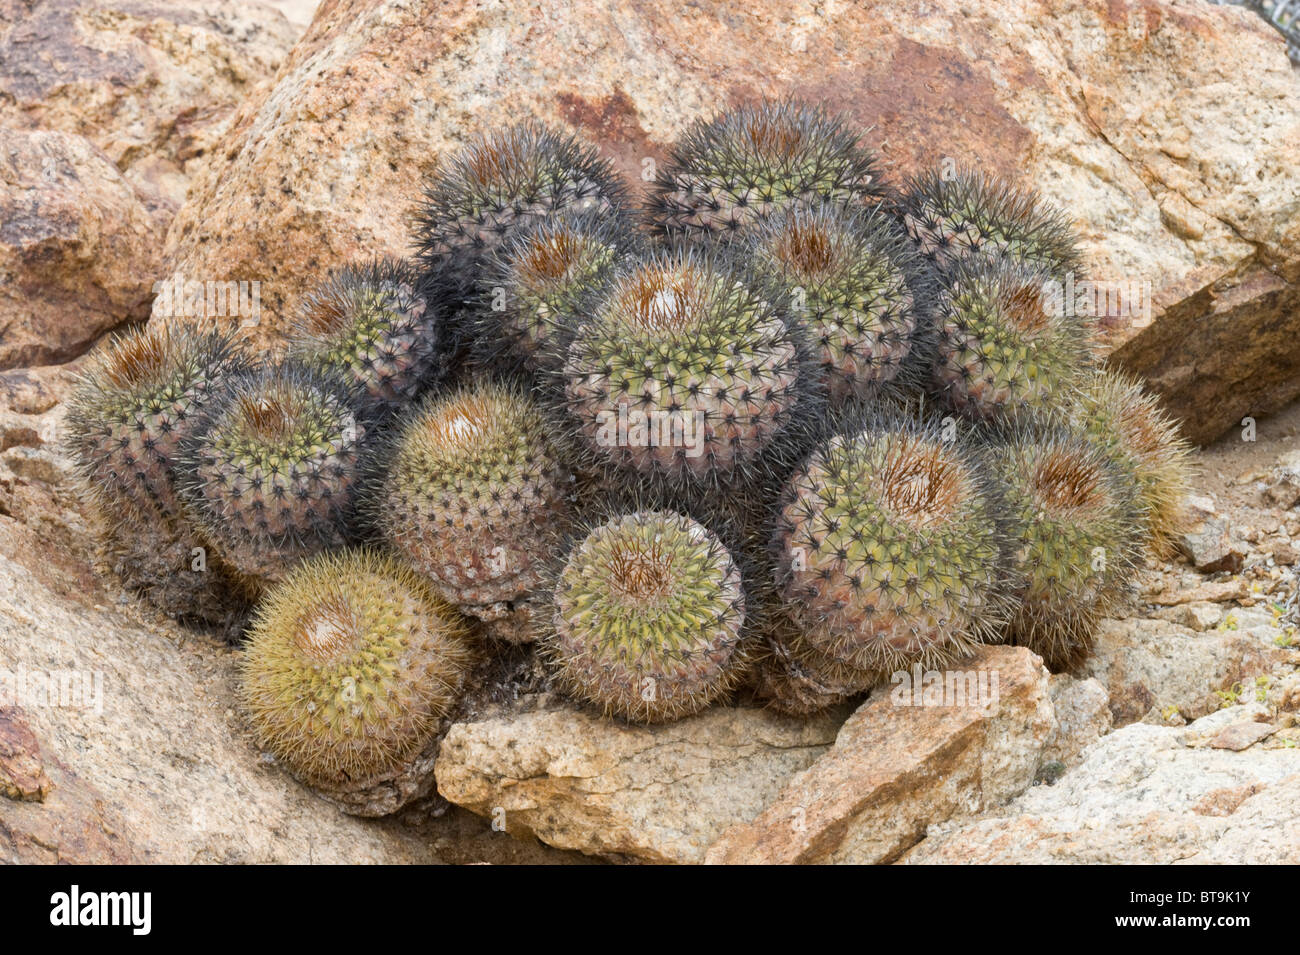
(79, 252)
(658, 793)
(152, 83)
(1159, 669)
(1149, 795)
(904, 762)
(1168, 131)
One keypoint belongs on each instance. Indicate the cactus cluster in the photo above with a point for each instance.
(776, 435)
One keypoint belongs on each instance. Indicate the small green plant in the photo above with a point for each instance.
(1230, 696)
(1262, 684)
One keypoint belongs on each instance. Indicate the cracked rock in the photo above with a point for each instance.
(659, 793)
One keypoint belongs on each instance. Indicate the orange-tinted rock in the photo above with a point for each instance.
(79, 252)
(902, 763)
(152, 83)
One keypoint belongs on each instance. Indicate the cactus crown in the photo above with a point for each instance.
(890, 548)
(650, 600)
(478, 434)
(1129, 426)
(350, 664)
(913, 481)
(150, 369)
(541, 278)
(1069, 497)
(953, 216)
(276, 422)
(850, 278)
(727, 173)
(1002, 349)
(501, 182)
(521, 164)
(135, 403)
(373, 325)
(684, 335)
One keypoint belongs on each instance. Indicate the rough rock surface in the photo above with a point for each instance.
(658, 793)
(152, 83)
(79, 252)
(895, 769)
(1181, 169)
(1145, 795)
(1160, 668)
(1083, 716)
(1284, 482)
(1208, 542)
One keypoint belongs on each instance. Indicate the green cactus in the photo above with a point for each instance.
(729, 173)
(685, 373)
(1129, 426)
(1076, 537)
(352, 665)
(889, 549)
(647, 617)
(851, 280)
(957, 215)
(137, 400)
(1003, 347)
(271, 471)
(475, 496)
(372, 325)
(538, 284)
(498, 184)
